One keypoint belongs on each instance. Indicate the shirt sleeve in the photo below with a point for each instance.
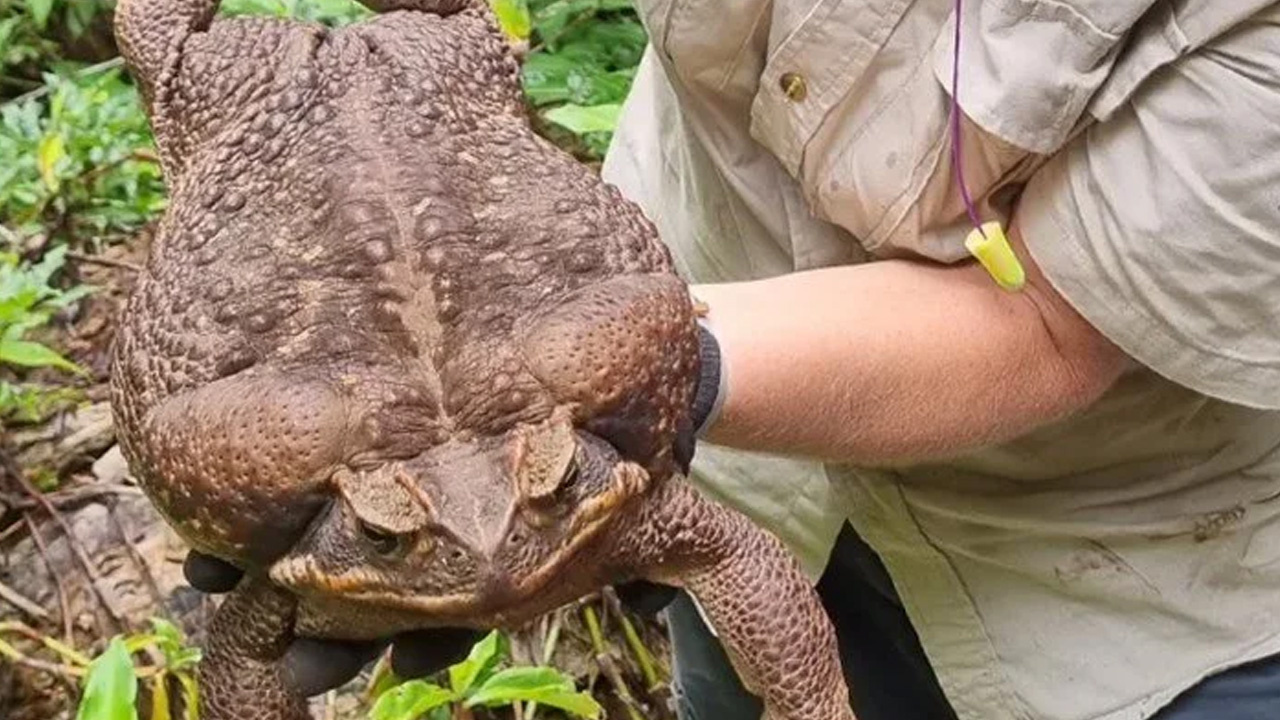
(1161, 226)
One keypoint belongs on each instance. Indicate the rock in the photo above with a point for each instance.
(112, 467)
(69, 440)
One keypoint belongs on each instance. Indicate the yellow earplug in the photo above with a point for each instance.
(990, 246)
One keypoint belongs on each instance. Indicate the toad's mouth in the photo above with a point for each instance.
(494, 593)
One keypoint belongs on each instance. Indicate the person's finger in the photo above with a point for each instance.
(317, 666)
(209, 574)
(425, 652)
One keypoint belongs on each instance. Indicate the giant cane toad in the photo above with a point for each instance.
(408, 363)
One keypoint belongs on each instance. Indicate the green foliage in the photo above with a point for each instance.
(328, 12)
(110, 687)
(111, 683)
(26, 38)
(112, 680)
(77, 162)
(32, 402)
(542, 685)
(583, 120)
(477, 682)
(28, 301)
(479, 663)
(583, 57)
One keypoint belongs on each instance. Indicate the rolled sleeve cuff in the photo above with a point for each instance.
(1058, 241)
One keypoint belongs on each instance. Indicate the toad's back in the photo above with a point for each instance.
(352, 247)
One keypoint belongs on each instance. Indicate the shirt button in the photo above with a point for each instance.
(793, 86)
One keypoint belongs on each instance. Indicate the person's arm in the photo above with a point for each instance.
(898, 361)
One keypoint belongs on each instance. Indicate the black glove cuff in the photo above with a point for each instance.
(710, 392)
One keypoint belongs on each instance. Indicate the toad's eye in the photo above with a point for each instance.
(382, 542)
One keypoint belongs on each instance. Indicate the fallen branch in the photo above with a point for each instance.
(105, 262)
(138, 558)
(71, 497)
(43, 89)
(77, 548)
(20, 601)
(42, 550)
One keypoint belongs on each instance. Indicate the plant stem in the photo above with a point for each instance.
(43, 90)
(607, 666)
(553, 639)
(643, 657)
(16, 656)
(548, 651)
(593, 627)
(67, 652)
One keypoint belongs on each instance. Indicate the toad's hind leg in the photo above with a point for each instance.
(766, 613)
(242, 675)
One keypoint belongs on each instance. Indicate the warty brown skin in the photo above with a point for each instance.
(410, 365)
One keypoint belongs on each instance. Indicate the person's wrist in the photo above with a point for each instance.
(709, 396)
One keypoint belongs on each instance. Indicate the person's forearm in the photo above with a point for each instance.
(898, 361)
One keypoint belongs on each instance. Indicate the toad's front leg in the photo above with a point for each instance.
(243, 672)
(765, 611)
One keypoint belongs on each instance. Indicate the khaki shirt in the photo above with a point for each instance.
(1097, 567)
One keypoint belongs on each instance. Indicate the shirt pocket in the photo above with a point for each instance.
(712, 48)
(815, 59)
(850, 103)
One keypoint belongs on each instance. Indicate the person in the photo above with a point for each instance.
(1055, 500)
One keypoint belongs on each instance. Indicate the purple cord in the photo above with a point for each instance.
(955, 129)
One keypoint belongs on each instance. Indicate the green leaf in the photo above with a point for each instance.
(33, 354)
(513, 18)
(79, 15)
(545, 77)
(484, 656)
(111, 686)
(410, 701)
(584, 119)
(166, 636)
(384, 678)
(543, 685)
(52, 148)
(40, 10)
(167, 632)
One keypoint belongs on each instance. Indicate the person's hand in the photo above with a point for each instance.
(316, 666)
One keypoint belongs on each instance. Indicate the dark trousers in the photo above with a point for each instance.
(888, 674)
